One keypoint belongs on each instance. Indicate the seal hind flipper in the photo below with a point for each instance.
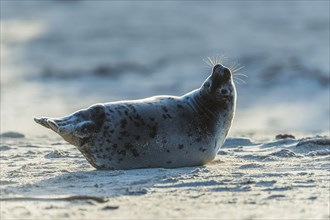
(81, 124)
(42, 121)
(55, 125)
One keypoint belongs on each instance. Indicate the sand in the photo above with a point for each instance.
(43, 177)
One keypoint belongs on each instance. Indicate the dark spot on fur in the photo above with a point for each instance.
(153, 131)
(124, 133)
(123, 123)
(164, 116)
(139, 119)
(186, 152)
(128, 146)
(180, 146)
(115, 146)
(135, 152)
(137, 124)
(170, 98)
(179, 106)
(202, 149)
(169, 162)
(152, 119)
(112, 131)
(168, 151)
(126, 112)
(137, 137)
(199, 139)
(134, 109)
(121, 152)
(164, 108)
(106, 127)
(168, 115)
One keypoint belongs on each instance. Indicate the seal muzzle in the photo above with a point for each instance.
(220, 75)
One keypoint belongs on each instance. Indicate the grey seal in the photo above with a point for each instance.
(160, 131)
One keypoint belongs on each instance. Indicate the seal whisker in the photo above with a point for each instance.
(214, 61)
(221, 59)
(217, 60)
(208, 63)
(206, 66)
(237, 82)
(239, 79)
(211, 61)
(238, 68)
(240, 74)
(233, 66)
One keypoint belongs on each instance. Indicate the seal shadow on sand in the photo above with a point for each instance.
(107, 183)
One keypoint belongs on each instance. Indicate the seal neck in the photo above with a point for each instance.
(201, 103)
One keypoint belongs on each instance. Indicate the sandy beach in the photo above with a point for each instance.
(45, 178)
(61, 56)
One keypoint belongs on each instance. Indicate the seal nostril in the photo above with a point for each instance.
(218, 66)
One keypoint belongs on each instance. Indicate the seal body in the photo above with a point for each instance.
(161, 131)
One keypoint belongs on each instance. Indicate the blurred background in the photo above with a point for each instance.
(61, 56)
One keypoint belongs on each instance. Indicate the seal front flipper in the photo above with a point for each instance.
(85, 129)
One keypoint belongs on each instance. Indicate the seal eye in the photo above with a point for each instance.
(224, 91)
(207, 84)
